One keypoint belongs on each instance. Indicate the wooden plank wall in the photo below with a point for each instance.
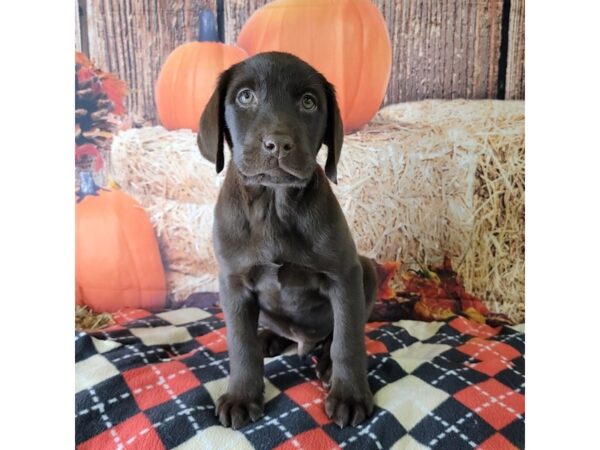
(440, 48)
(77, 27)
(134, 37)
(443, 49)
(515, 67)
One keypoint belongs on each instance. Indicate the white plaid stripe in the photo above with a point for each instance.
(270, 421)
(451, 428)
(144, 352)
(373, 372)
(392, 335)
(167, 419)
(366, 430)
(472, 359)
(151, 386)
(283, 372)
(268, 418)
(476, 386)
(107, 423)
(454, 340)
(275, 421)
(448, 372)
(461, 420)
(206, 353)
(313, 382)
(163, 382)
(490, 348)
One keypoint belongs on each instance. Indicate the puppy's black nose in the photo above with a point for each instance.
(278, 143)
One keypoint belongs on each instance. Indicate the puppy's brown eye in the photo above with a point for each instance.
(309, 103)
(246, 97)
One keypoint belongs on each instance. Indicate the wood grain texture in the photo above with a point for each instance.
(443, 49)
(133, 38)
(440, 48)
(515, 66)
(236, 14)
(77, 28)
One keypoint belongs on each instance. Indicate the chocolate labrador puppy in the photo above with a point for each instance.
(286, 257)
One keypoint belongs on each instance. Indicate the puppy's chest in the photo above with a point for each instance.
(275, 230)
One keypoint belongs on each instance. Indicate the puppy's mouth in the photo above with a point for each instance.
(277, 176)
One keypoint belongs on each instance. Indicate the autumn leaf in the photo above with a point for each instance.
(474, 315)
(82, 60)
(115, 90)
(469, 301)
(427, 286)
(89, 151)
(385, 272)
(497, 319)
(84, 74)
(435, 309)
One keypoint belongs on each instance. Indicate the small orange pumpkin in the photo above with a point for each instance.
(117, 259)
(189, 76)
(345, 40)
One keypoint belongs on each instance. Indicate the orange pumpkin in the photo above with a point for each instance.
(117, 260)
(346, 40)
(189, 76)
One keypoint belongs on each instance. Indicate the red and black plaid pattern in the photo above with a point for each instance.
(151, 382)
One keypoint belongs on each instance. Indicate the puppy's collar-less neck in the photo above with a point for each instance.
(249, 192)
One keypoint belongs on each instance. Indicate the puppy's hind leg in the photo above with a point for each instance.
(370, 283)
(271, 343)
(324, 363)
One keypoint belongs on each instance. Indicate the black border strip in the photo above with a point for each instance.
(221, 20)
(503, 60)
(83, 27)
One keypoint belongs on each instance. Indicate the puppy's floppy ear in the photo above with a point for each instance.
(212, 124)
(334, 133)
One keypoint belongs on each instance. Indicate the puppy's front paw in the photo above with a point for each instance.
(348, 405)
(236, 411)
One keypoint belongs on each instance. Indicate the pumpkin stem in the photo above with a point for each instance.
(87, 185)
(207, 27)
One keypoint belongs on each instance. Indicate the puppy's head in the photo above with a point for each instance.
(275, 111)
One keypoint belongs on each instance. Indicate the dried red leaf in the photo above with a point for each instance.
(82, 60)
(474, 314)
(385, 272)
(115, 90)
(497, 319)
(427, 287)
(434, 309)
(84, 74)
(89, 150)
(470, 301)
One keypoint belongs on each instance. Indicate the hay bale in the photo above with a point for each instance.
(88, 320)
(182, 285)
(422, 179)
(152, 161)
(184, 232)
(430, 177)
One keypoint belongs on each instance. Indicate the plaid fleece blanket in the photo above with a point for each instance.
(151, 382)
